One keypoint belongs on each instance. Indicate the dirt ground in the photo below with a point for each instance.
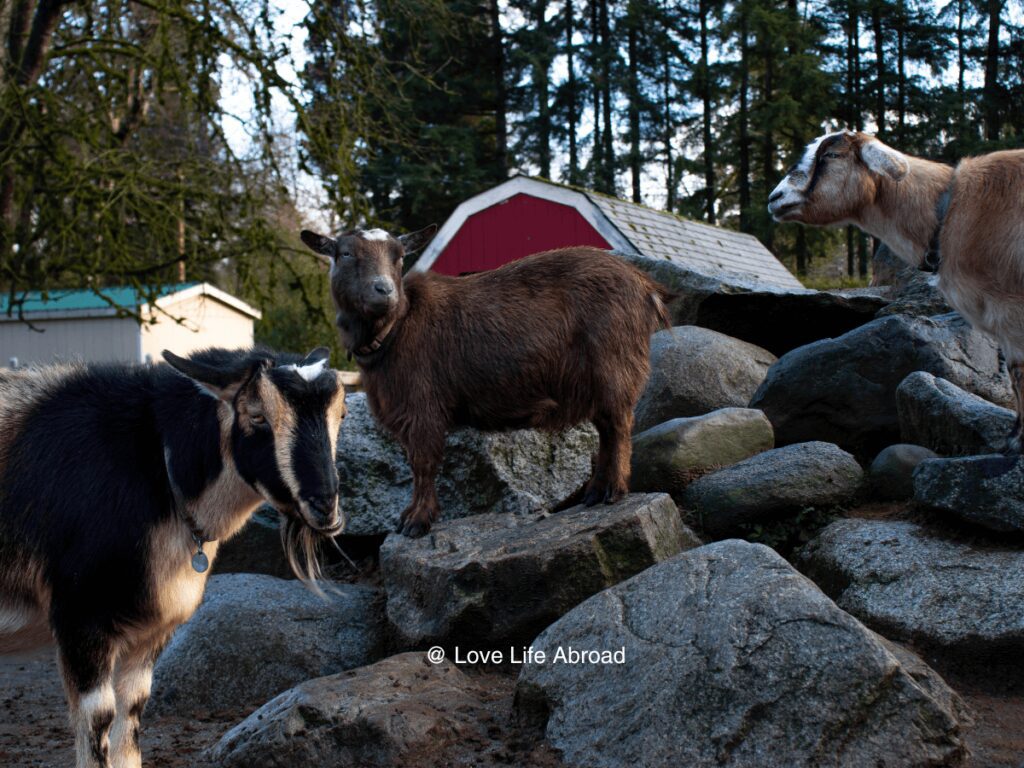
(34, 731)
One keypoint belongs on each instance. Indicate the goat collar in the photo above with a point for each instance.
(933, 257)
(200, 562)
(378, 340)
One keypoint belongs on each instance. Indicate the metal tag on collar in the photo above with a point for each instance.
(200, 562)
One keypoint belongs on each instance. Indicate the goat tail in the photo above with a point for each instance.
(660, 297)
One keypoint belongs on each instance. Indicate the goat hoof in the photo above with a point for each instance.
(592, 497)
(614, 496)
(414, 529)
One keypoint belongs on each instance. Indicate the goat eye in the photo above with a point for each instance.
(257, 418)
(832, 154)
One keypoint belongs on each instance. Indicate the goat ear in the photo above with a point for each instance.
(884, 160)
(222, 383)
(318, 354)
(416, 240)
(318, 243)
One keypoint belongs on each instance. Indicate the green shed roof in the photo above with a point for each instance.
(87, 298)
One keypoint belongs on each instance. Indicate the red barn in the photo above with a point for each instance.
(526, 215)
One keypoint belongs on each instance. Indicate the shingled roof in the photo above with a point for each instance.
(636, 230)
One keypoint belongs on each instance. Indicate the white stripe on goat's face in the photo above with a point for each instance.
(308, 372)
(374, 234)
(785, 200)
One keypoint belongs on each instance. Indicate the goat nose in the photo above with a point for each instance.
(776, 195)
(324, 506)
(383, 286)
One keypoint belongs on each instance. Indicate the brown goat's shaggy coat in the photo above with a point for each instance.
(545, 342)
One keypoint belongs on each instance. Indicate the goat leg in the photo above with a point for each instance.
(86, 663)
(1015, 442)
(425, 459)
(610, 479)
(132, 679)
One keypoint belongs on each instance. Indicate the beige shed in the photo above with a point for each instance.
(81, 325)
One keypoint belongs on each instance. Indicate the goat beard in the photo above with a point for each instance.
(301, 546)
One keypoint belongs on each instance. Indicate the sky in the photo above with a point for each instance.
(237, 101)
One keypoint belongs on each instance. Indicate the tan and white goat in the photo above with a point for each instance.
(965, 223)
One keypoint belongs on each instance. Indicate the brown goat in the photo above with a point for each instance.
(545, 342)
(965, 223)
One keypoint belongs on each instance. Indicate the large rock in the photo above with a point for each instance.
(888, 269)
(402, 711)
(773, 483)
(520, 472)
(496, 579)
(985, 490)
(694, 371)
(891, 477)
(255, 636)
(777, 319)
(667, 457)
(843, 390)
(912, 291)
(938, 414)
(911, 584)
(732, 658)
(919, 297)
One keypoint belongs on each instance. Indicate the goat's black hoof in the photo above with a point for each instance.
(614, 497)
(414, 529)
(592, 496)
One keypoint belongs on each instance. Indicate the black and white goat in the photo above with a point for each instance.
(116, 485)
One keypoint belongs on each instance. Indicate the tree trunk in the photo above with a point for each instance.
(901, 73)
(768, 143)
(666, 98)
(704, 81)
(850, 255)
(541, 79)
(876, 24)
(862, 254)
(597, 153)
(634, 103)
(570, 51)
(28, 44)
(801, 251)
(961, 59)
(991, 87)
(607, 135)
(744, 118)
(500, 117)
